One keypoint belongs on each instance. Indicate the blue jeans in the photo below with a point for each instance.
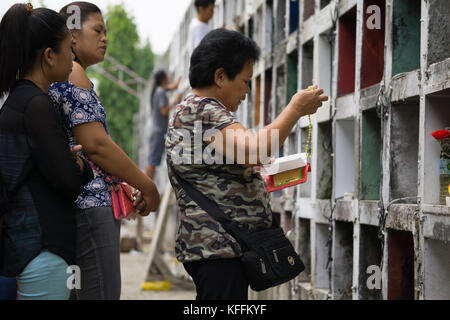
(157, 148)
(44, 278)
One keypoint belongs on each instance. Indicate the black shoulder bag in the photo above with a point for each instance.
(269, 259)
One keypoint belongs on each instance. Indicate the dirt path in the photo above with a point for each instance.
(133, 268)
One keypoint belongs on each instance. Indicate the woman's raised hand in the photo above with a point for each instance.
(307, 101)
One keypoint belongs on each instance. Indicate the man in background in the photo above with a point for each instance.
(199, 25)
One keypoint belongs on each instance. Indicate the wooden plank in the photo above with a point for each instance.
(160, 224)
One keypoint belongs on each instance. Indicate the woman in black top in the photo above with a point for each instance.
(40, 177)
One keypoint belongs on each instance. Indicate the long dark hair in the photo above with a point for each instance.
(86, 9)
(220, 48)
(159, 78)
(23, 34)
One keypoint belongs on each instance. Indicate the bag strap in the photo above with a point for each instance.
(104, 176)
(211, 208)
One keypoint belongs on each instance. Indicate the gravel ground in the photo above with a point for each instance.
(133, 270)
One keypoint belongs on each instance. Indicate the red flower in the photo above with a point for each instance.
(440, 134)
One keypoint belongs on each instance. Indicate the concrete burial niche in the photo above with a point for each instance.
(347, 53)
(304, 247)
(406, 36)
(229, 11)
(400, 265)
(373, 43)
(342, 260)
(345, 157)
(437, 117)
(305, 188)
(438, 31)
(324, 3)
(251, 28)
(250, 106)
(280, 89)
(280, 20)
(259, 28)
(293, 15)
(268, 25)
(240, 8)
(404, 149)
(187, 22)
(325, 163)
(307, 64)
(437, 270)
(268, 103)
(292, 75)
(287, 222)
(257, 104)
(321, 276)
(369, 255)
(219, 14)
(370, 156)
(293, 143)
(308, 9)
(324, 64)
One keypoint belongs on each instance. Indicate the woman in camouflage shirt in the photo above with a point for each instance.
(220, 73)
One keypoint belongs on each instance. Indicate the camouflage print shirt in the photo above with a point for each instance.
(239, 192)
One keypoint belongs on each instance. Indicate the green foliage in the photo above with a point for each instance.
(123, 45)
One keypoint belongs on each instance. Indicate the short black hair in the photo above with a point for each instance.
(203, 3)
(221, 48)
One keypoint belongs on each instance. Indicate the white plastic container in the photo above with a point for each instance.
(294, 161)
